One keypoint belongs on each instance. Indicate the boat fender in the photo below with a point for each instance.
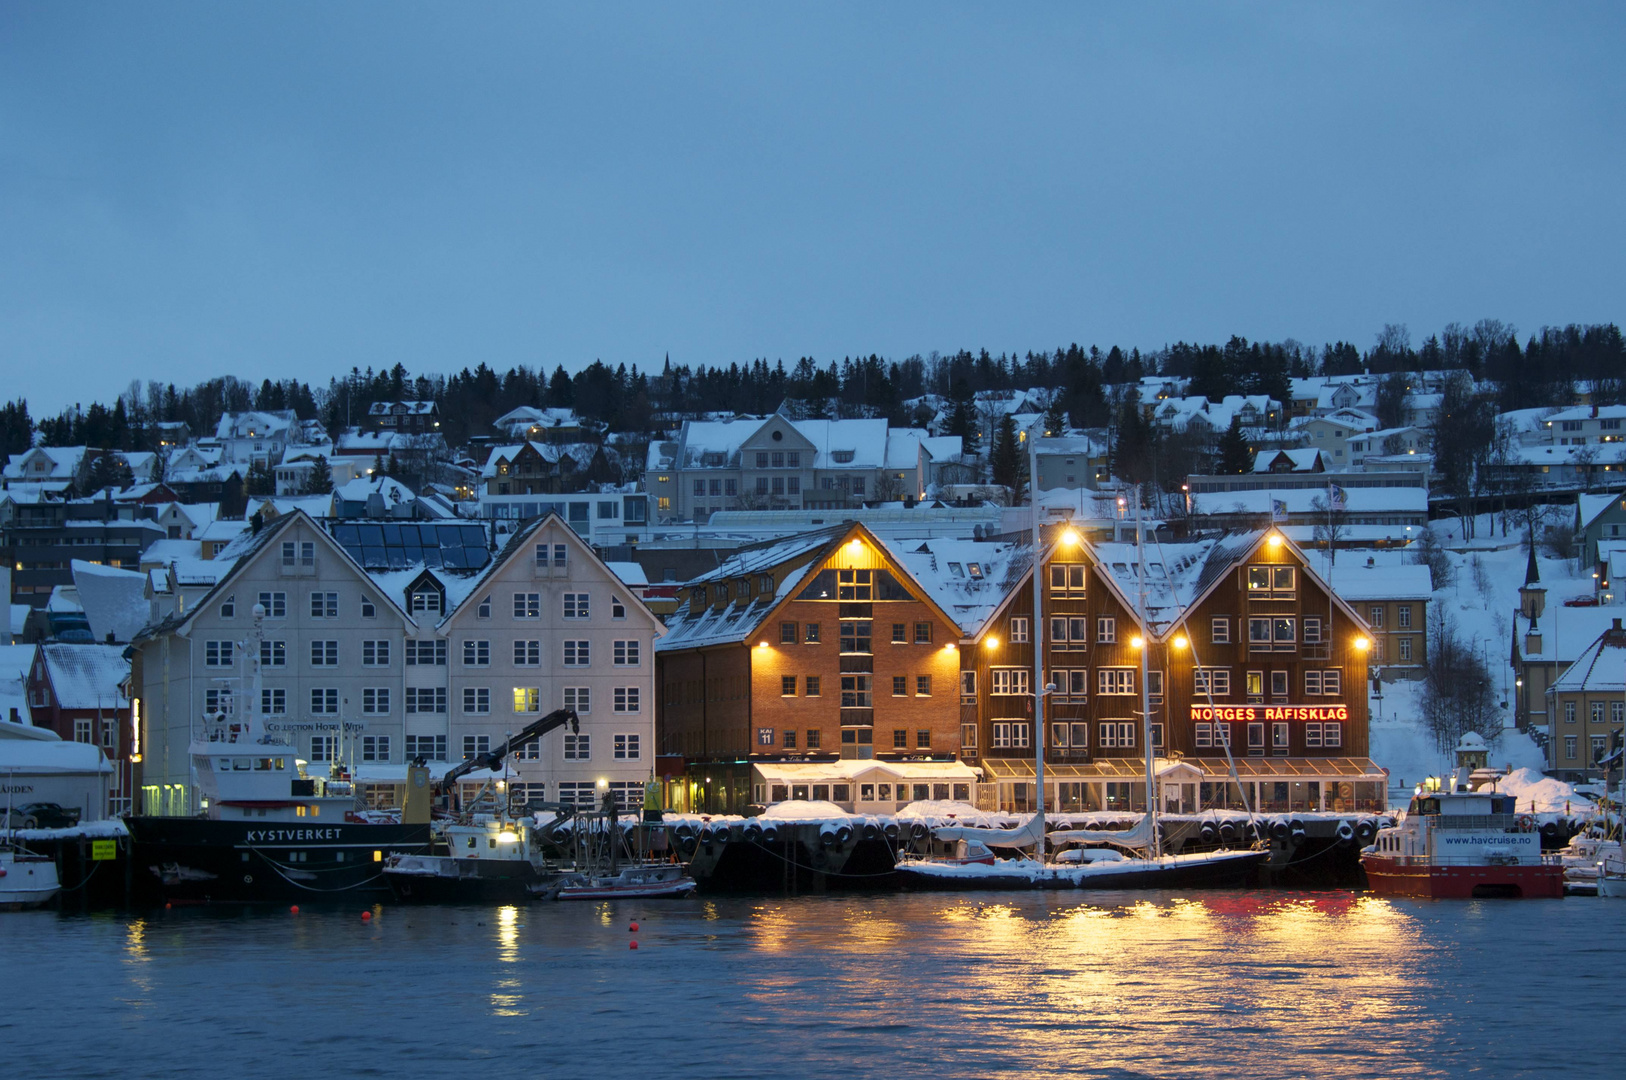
(891, 830)
(1549, 828)
(1346, 832)
(687, 845)
(1365, 830)
(1279, 829)
(828, 837)
(1227, 831)
(872, 831)
(918, 832)
(753, 833)
(844, 834)
(1208, 832)
(770, 834)
(684, 831)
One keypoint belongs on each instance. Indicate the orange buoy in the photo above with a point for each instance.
(633, 929)
(294, 909)
(632, 944)
(167, 906)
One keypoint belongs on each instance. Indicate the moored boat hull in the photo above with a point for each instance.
(26, 881)
(201, 860)
(1390, 877)
(1208, 870)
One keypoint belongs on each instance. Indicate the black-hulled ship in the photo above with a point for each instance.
(270, 832)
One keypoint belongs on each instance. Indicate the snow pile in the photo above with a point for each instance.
(800, 810)
(1542, 794)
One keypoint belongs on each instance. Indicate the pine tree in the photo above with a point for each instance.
(1055, 417)
(320, 480)
(1234, 456)
(380, 468)
(259, 480)
(1005, 458)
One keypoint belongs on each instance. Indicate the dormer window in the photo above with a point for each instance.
(426, 601)
(956, 569)
(842, 457)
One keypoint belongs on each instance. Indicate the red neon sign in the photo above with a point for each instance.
(1253, 713)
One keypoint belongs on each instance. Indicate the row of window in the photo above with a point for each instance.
(1122, 734)
(376, 654)
(812, 739)
(1617, 712)
(856, 636)
(422, 700)
(624, 746)
(868, 793)
(1402, 617)
(1265, 633)
(1599, 745)
(858, 685)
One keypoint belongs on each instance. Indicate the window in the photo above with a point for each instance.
(1154, 685)
(900, 634)
(1404, 647)
(375, 653)
(787, 686)
(425, 699)
(324, 605)
(273, 701)
(789, 739)
(275, 604)
(426, 602)
(426, 653)
(578, 698)
(476, 700)
(1272, 582)
(787, 633)
(1274, 633)
(858, 481)
(1069, 633)
(923, 686)
(857, 692)
(375, 700)
(527, 605)
(1067, 579)
(228, 606)
(1279, 737)
(855, 637)
(1117, 734)
(577, 653)
(273, 654)
(324, 654)
(855, 585)
(1312, 630)
(1106, 629)
(1115, 681)
(324, 701)
(1219, 631)
(626, 653)
(900, 686)
(576, 605)
(1256, 737)
(1071, 683)
(1312, 735)
(627, 699)
(1332, 734)
(527, 699)
(368, 608)
(1157, 735)
(1010, 681)
(476, 653)
(324, 748)
(1010, 736)
(900, 739)
(810, 686)
(527, 653)
(475, 745)
(968, 686)
(1569, 747)
(1209, 736)
(812, 633)
(578, 747)
(217, 653)
(923, 633)
(1073, 736)
(1597, 712)
(1019, 629)
(214, 701)
(298, 554)
(1374, 617)
(627, 747)
(923, 739)
(1211, 681)
(1617, 711)
(968, 736)
(483, 609)
(428, 747)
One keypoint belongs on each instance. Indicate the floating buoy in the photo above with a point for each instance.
(633, 929)
(633, 944)
(167, 906)
(294, 909)
(365, 915)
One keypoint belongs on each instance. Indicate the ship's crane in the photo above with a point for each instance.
(416, 810)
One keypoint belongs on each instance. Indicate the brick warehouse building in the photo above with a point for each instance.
(1265, 657)
(819, 648)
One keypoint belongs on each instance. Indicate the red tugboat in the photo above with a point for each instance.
(1461, 844)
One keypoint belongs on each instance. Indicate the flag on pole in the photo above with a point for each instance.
(1335, 497)
(1278, 510)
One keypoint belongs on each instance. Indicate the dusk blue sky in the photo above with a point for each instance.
(292, 189)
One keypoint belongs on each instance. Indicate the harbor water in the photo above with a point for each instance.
(1256, 984)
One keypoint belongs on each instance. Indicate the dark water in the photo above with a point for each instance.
(1250, 985)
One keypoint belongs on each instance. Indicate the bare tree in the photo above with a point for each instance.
(1457, 693)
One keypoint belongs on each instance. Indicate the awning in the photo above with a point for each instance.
(1213, 769)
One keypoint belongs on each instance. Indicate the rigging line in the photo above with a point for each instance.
(84, 881)
(309, 888)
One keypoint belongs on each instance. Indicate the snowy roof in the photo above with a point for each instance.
(364, 487)
(256, 424)
(1176, 574)
(87, 676)
(1565, 631)
(114, 600)
(1589, 412)
(45, 462)
(630, 573)
(866, 439)
(1362, 500)
(1068, 444)
(1601, 667)
(19, 618)
(903, 447)
(1308, 460)
(40, 757)
(1593, 454)
(733, 622)
(221, 529)
(317, 506)
(408, 408)
(1394, 577)
(943, 447)
(968, 579)
(852, 768)
(1592, 507)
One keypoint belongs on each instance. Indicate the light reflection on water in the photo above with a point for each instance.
(1258, 984)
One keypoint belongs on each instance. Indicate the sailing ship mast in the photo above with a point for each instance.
(1153, 848)
(1036, 630)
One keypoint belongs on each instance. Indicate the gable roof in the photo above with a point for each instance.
(86, 676)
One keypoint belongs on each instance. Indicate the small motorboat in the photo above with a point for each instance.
(26, 880)
(647, 881)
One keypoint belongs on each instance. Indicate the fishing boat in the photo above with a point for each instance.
(648, 881)
(1456, 843)
(26, 880)
(1082, 861)
(490, 859)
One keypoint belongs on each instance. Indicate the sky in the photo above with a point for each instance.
(293, 189)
